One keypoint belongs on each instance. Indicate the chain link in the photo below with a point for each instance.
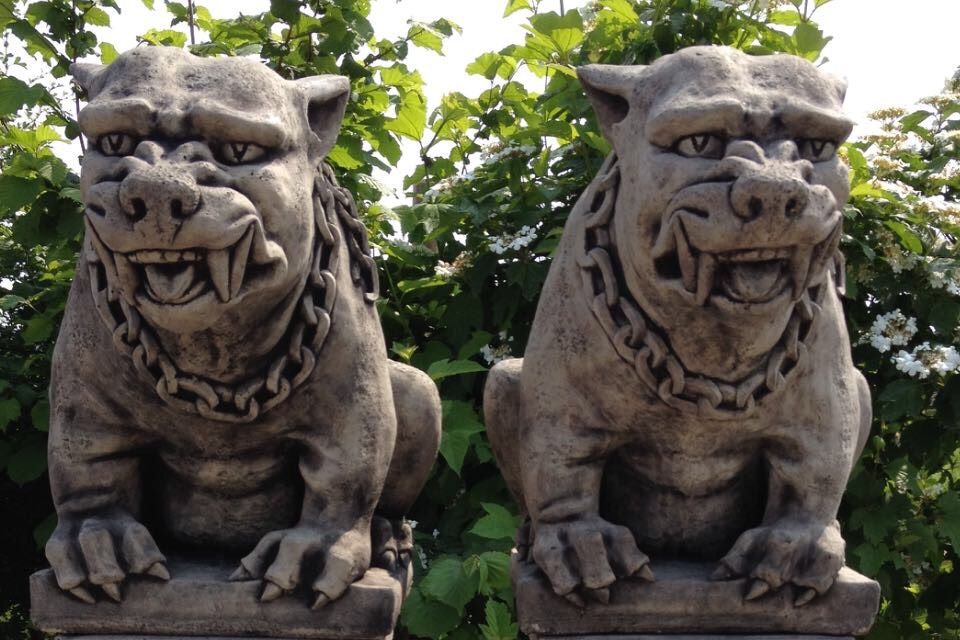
(639, 343)
(245, 401)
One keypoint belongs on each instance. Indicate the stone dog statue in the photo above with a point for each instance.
(220, 380)
(688, 388)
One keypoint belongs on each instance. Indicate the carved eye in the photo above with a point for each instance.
(116, 144)
(816, 150)
(240, 152)
(700, 145)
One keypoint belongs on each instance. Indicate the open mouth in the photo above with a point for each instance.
(752, 275)
(178, 277)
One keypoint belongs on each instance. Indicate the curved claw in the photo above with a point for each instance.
(599, 595)
(722, 572)
(270, 592)
(574, 598)
(757, 588)
(158, 570)
(645, 573)
(805, 597)
(240, 575)
(82, 594)
(320, 601)
(112, 589)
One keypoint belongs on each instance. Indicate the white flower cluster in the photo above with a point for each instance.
(925, 359)
(495, 152)
(444, 269)
(896, 188)
(493, 355)
(950, 171)
(443, 186)
(891, 329)
(501, 244)
(947, 280)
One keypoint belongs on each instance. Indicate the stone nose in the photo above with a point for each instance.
(159, 191)
(769, 192)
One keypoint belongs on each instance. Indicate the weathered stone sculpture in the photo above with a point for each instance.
(220, 382)
(688, 391)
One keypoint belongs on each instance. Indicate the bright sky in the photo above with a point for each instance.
(892, 52)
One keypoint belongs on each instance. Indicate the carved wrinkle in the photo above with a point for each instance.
(246, 400)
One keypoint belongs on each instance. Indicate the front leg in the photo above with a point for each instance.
(343, 464)
(798, 541)
(581, 553)
(94, 477)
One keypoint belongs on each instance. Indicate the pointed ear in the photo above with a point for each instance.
(611, 89)
(326, 99)
(86, 75)
(840, 84)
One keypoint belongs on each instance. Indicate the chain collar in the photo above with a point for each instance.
(639, 342)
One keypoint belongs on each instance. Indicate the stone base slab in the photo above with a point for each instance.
(683, 600)
(199, 601)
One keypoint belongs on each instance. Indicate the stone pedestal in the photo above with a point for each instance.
(199, 602)
(684, 604)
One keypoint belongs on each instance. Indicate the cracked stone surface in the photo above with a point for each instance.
(220, 385)
(687, 391)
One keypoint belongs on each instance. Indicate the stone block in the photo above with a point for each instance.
(198, 600)
(683, 600)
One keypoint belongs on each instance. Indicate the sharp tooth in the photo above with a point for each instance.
(218, 263)
(706, 269)
(688, 264)
(666, 240)
(238, 264)
(800, 269)
(127, 276)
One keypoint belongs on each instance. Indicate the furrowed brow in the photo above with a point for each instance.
(219, 122)
(810, 121)
(130, 115)
(669, 124)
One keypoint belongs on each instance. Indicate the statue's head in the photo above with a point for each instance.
(730, 190)
(199, 182)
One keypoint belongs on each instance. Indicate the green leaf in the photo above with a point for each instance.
(901, 398)
(411, 117)
(10, 302)
(494, 572)
(445, 368)
(43, 531)
(17, 193)
(16, 94)
(907, 237)
(27, 464)
(40, 415)
(108, 53)
(38, 329)
(422, 36)
(499, 623)
(949, 504)
(498, 524)
(449, 583)
(516, 5)
(97, 17)
(9, 411)
(460, 422)
(428, 618)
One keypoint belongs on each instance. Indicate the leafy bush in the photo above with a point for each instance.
(462, 267)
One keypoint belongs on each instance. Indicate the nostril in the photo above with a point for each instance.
(176, 208)
(97, 209)
(139, 209)
(792, 209)
(755, 207)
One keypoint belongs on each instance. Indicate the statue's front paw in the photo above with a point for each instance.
(584, 557)
(343, 559)
(805, 555)
(100, 552)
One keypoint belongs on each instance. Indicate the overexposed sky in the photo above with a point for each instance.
(892, 52)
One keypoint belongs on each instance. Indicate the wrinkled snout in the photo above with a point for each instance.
(772, 182)
(162, 192)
